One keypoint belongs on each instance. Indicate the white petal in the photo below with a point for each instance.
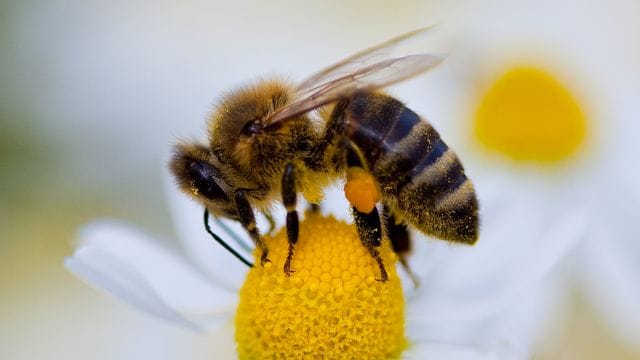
(336, 204)
(519, 245)
(507, 334)
(213, 260)
(128, 264)
(610, 270)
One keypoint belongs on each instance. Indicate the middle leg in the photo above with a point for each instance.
(289, 197)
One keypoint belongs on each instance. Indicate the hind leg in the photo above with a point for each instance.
(362, 192)
(370, 233)
(398, 234)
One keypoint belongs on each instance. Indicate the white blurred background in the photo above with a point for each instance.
(92, 94)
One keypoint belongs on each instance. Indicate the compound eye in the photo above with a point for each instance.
(251, 128)
(203, 178)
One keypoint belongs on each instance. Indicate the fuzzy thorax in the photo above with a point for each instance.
(331, 307)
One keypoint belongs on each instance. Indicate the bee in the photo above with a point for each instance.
(271, 141)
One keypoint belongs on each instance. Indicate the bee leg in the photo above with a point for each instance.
(367, 223)
(400, 242)
(222, 242)
(370, 232)
(289, 199)
(248, 220)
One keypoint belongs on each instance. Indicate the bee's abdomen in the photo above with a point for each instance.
(417, 172)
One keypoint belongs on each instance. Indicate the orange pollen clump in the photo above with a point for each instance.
(361, 189)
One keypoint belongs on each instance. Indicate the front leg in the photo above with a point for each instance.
(289, 197)
(248, 221)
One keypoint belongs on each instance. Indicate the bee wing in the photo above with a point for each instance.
(360, 60)
(363, 71)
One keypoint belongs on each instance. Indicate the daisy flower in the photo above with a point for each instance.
(477, 302)
(547, 110)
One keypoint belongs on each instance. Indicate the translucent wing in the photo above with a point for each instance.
(361, 60)
(367, 70)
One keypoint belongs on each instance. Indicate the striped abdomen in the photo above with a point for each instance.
(419, 176)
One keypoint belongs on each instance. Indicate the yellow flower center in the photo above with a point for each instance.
(530, 116)
(331, 307)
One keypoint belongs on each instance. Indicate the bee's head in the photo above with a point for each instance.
(197, 175)
(238, 126)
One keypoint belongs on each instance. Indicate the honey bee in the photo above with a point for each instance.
(270, 141)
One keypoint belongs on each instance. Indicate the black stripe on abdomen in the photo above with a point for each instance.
(371, 117)
(437, 150)
(399, 164)
(402, 125)
(435, 187)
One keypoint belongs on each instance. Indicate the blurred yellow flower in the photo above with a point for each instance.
(544, 99)
(528, 115)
